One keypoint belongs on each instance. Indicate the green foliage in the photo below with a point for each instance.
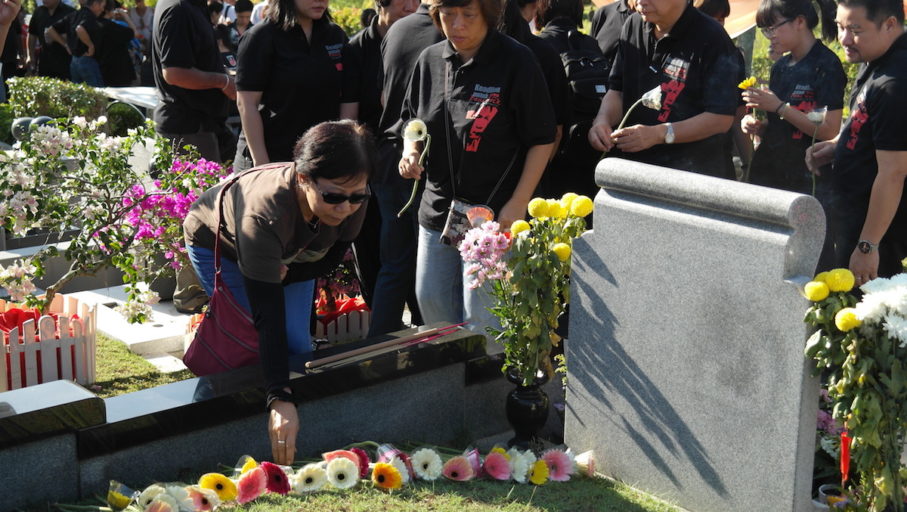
(348, 19)
(42, 96)
(6, 119)
(121, 117)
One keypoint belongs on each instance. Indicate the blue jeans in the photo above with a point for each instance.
(298, 297)
(443, 293)
(398, 256)
(87, 70)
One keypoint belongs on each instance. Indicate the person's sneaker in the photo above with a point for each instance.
(190, 311)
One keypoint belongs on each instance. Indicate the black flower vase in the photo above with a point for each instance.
(527, 410)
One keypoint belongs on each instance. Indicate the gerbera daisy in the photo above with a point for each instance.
(149, 494)
(277, 479)
(363, 461)
(203, 500)
(560, 465)
(539, 473)
(310, 478)
(386, 476)
(223, 486)
(349, 454)
(342, 473)
(400, 466)
(427, 464)
(252, 484)
(519, 467)
(161, 505)
(246, 463)
(180, 496)
(497, 466)
(502, 451)
(458, 469)
(408, 462)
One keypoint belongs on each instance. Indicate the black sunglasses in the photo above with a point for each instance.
(335, 198)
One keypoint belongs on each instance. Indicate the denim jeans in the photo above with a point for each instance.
(443, 293)
(397, 276)
(298, 297)
(87, 70)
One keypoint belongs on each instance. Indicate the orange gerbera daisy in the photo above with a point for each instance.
(386, 476)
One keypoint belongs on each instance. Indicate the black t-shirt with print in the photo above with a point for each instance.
(878, 108)
(817, 80)
(367, 47)
(606, 26)
(302, 83)
(697, 68)
(498, 108)
(53, 60)
(182, 38)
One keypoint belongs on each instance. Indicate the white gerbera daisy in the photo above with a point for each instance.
(400, 466)
(415, 130)
(519, 467)
(148, 495)
(343, 473)
(427, 464)
(310, 478)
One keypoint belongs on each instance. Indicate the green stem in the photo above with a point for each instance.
(811, 144)
(412, 195)
(622, 123)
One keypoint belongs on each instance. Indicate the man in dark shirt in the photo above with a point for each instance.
(400, 49)
(867, 204)
(45, 56)
(688, 58)
(606, 24)
(194, 91)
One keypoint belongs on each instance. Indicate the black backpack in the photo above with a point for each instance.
(587, 73)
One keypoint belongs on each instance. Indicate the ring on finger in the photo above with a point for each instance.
(281, 441)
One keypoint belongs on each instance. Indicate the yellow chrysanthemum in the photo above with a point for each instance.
(223, 486)
(562, 250)
(746, 84)
(840, 280)
(539, 472)
(538, 208)
(816, 291)
(518, 227)
(821, 276)
(498, 449)
(847, 319)
(567, 200)
(581, 206)
(386, 476)
(249, 465)
(555, 210)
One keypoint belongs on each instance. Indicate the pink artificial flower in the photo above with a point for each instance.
(560, 466)
(458, 469)
(277, 479)
(203, 500)
(497, 466)
(347, 454)
(475, 460)
(159, 506)
(363, 461)
(252, 484)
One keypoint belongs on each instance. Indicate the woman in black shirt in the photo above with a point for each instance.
(113, 55)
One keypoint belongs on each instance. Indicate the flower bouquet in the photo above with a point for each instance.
(860, 350)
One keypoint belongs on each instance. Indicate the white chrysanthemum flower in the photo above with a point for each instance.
(415, 130)
(652, 99)
(878, 284)
(400, 466)
(148, 495)
(427, 464)
(519, 468)
(343, 473)
(872, 308)
(310, 478)
(896, 326)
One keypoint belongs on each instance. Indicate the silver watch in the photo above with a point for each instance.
(669, 135)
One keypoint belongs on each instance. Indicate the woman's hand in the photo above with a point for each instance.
(283, 427)
(763, 99)
(751, 126)
(409, 165)
(512, 211)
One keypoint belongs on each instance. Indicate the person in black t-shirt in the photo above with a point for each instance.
(294, 70)
(114, 58)
(81, 44)
(483, 98)
(607, 22)
(671, 46)
(47, 57)
(809, 78)
(867, 200)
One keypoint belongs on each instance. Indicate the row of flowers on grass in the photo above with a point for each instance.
(391, 470)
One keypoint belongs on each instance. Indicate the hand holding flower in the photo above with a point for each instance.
(600, 137)
(409, 165)
(638, 137)
(751, 125)
(415, 132)
(820, 154)
(762, 99)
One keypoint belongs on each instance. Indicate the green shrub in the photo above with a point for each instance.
(121, 117)
(6, 119)
(348, 19)
(42, 96)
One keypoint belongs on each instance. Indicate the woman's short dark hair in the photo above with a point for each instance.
(283, 13)
(334, 150)
(713, 8)
(215, 8)
(770, 10)
(570, 9)
(243, 6)
(491, 10)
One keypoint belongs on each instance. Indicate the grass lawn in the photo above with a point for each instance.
(120, 371)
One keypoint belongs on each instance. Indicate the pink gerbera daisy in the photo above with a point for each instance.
(277, 479)
(458, 469)
(497, 466)
(560, 466)
(363, 461)
(252, 484)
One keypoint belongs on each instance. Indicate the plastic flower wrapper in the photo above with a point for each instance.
(538, 474)
(415, 131)
(497, 466)
(560, 465)
(148, 495)
(119, 496)
(342, 473)
(585, 463)
(203, 500)
(252, 484)
(310, 478)
(385, 476)
(475, 460)
(427, 464)
(277, 480)
(388, 452)
(245, 463)
(220, 484)
(458, 469)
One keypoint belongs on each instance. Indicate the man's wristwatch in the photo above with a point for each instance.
(669, 134)
(866, 247)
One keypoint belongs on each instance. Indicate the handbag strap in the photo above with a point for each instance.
(448, 121)
(219, 211)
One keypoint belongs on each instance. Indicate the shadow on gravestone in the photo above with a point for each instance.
(686, 364)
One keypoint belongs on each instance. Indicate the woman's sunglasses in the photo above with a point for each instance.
(335, 198)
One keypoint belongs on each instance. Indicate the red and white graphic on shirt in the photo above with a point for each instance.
(858, 118)
(803, 99)
(484, 105)
(677, 70)
(335, 53)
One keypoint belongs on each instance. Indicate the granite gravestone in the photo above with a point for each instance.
(685, 357)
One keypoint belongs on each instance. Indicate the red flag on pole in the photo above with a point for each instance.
(845, 457)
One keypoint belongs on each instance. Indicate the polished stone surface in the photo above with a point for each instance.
(39, 411)
(685, 357)
(39, 472)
